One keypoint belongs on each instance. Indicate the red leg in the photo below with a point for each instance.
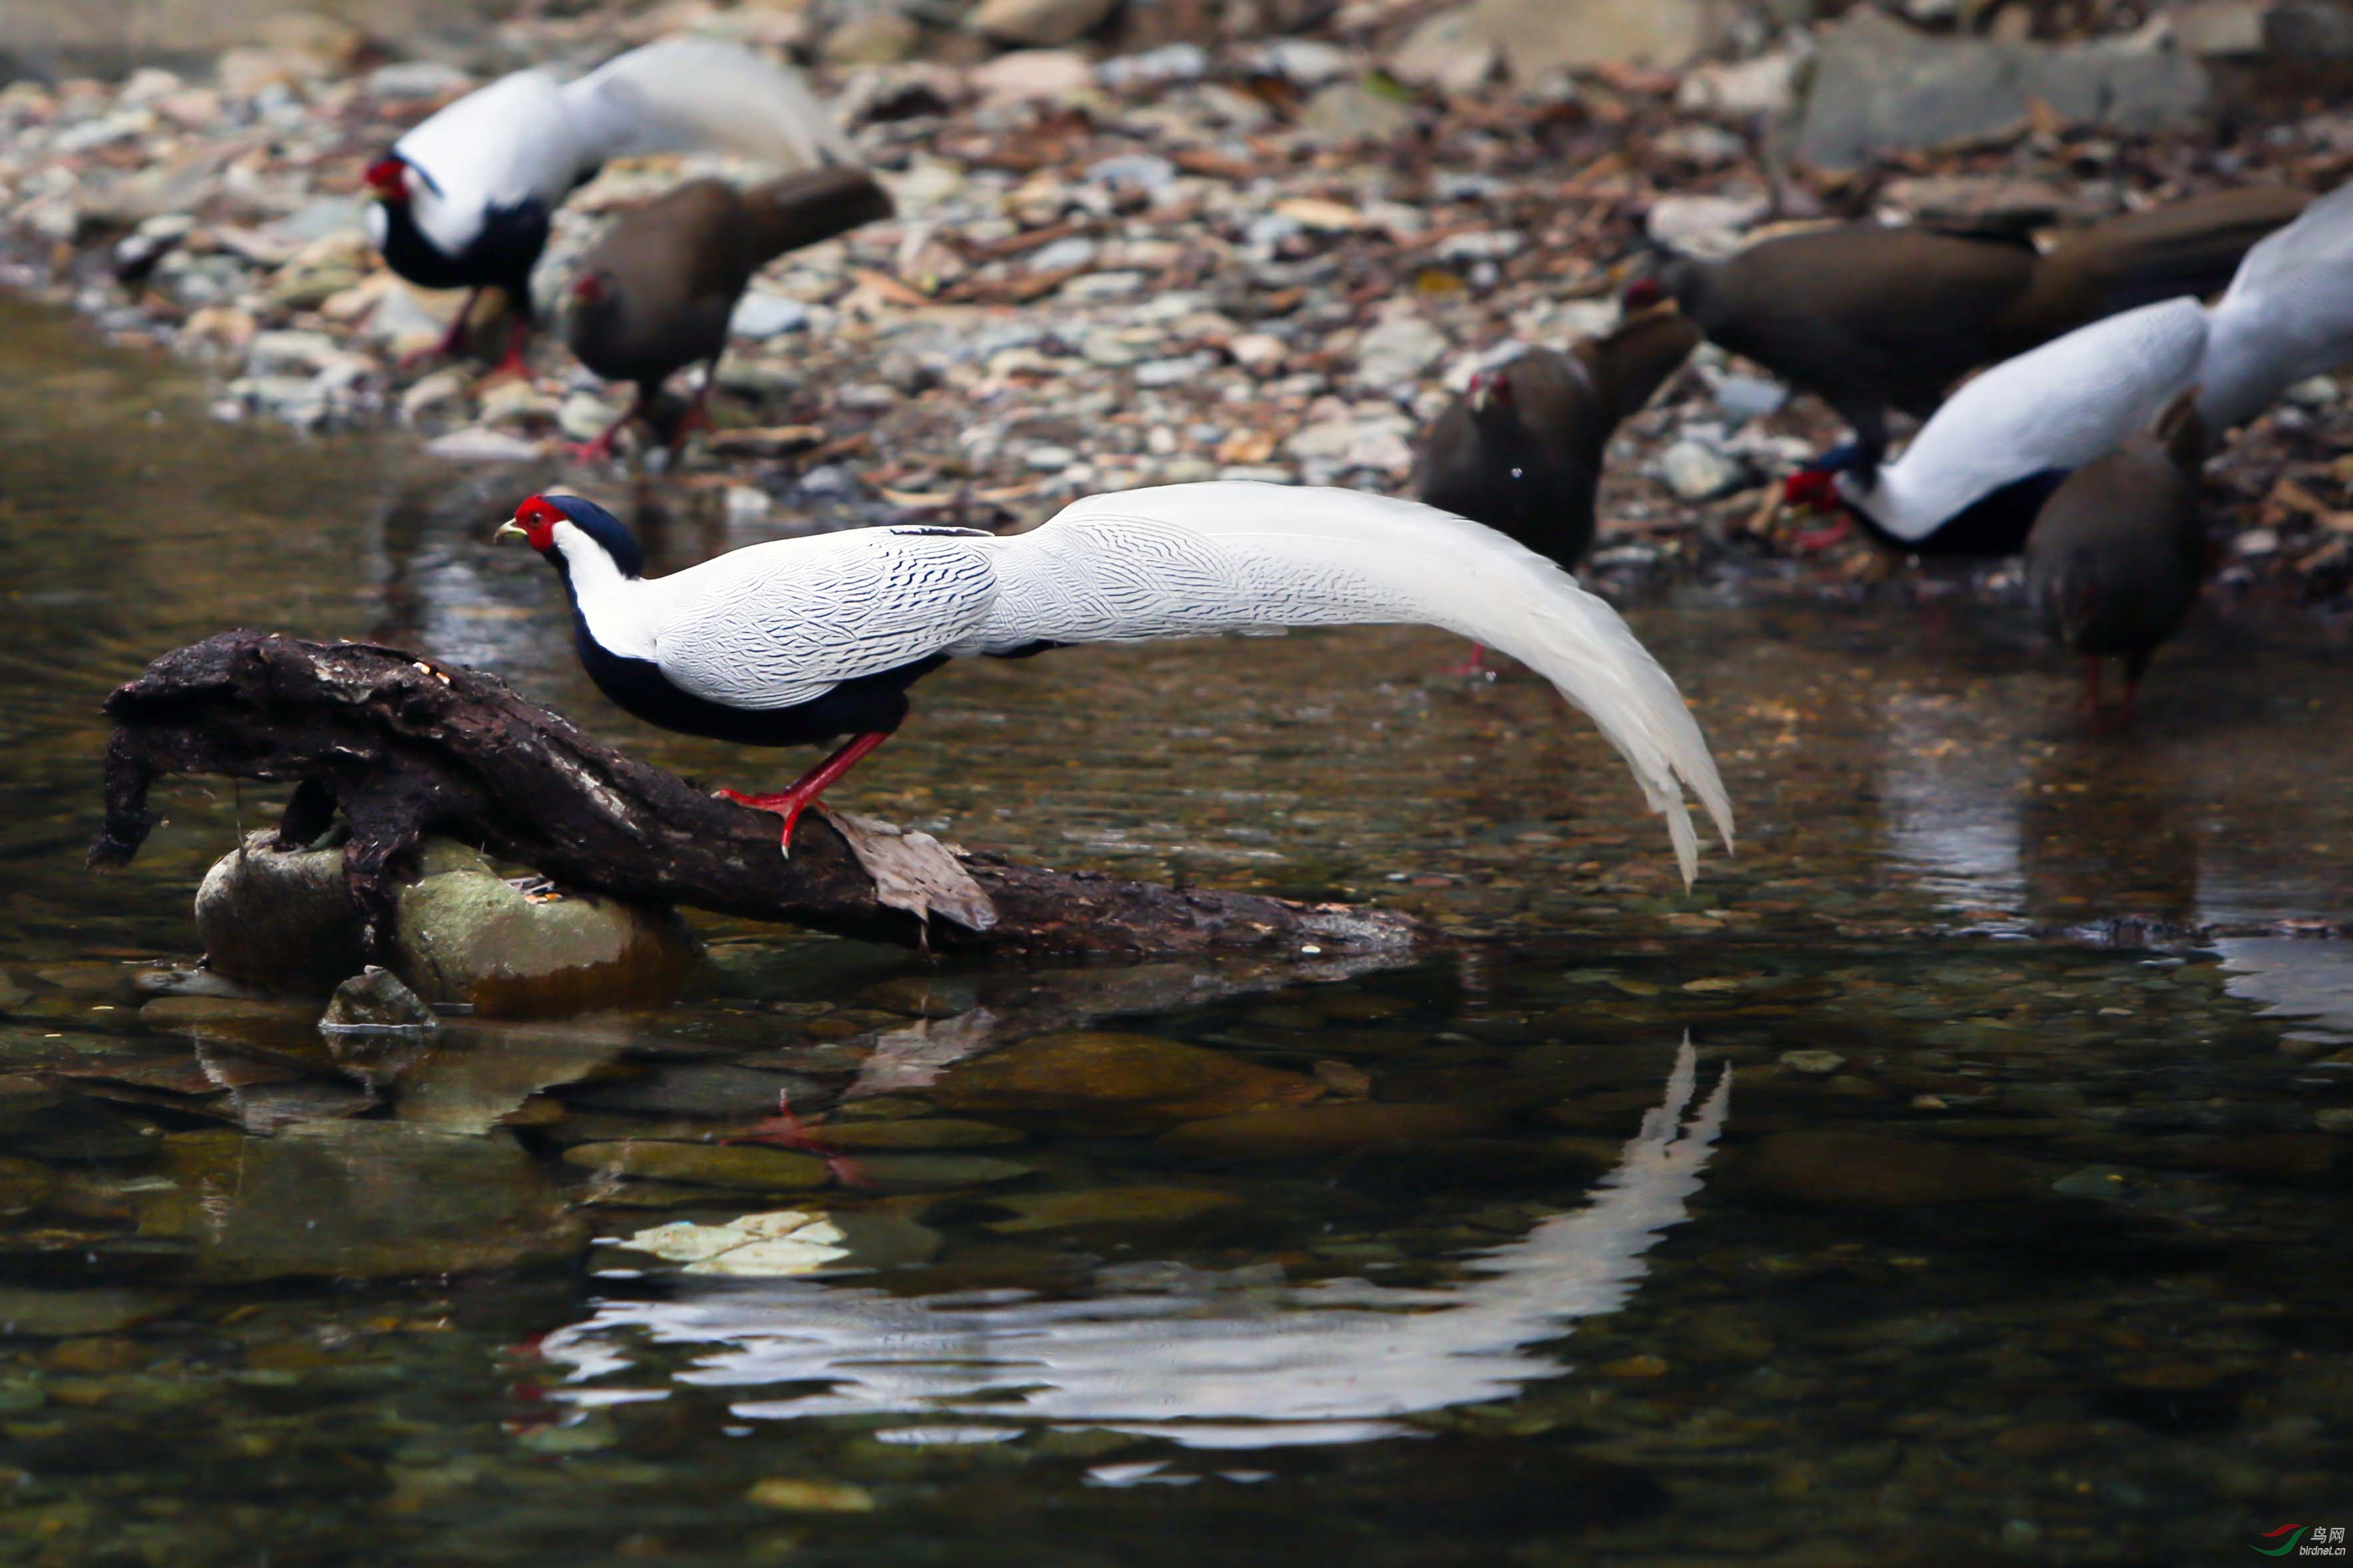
(1822, 538)
(1475, 667)
(803, 792)
(451, 340)
(599, 449)
(517, 338)
(2091, 687)
(786, 1131)
(698, 415)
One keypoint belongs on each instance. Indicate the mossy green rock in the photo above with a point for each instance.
(466, 934)
(1091, 1081)
(285, 920)
(1105, 1205)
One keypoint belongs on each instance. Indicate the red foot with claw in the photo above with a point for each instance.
(803, 792)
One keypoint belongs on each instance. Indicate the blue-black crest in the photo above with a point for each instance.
(603, 528)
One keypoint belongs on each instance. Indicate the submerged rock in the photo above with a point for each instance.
(1109, 1083)
(714, 1091)
(1864, 1170)
(795, 1494)
(1105, 1205)
(478, 1075)
(919, 1132)
(362, 1200)
(936, 1173)
(222, 1015)
(58, 1314)
(744, 1169)
(1309, 1132)
(23, 1185)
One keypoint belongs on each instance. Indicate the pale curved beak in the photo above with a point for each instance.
(508, 529)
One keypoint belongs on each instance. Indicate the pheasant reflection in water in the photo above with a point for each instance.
(1203, 1360)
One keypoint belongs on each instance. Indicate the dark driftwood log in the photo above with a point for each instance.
(405, 746)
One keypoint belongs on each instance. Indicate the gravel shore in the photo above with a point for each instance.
(1272, 258)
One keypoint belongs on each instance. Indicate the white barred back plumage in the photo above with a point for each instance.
(776, 625)
(2288, 315)
(526, 137)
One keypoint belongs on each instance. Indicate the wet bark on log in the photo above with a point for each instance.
(404, 746)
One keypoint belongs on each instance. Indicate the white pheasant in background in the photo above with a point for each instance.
(1973, 479)
(464, 200)
(797, 641)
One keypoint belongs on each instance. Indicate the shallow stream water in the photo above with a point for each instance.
(1946, 1178)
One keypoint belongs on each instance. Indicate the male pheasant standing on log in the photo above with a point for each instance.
(797, 641)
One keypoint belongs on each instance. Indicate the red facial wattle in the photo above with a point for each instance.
(387, 180)
(1490, 387)
(1811, 488)
(537, 517)
(1642, 293)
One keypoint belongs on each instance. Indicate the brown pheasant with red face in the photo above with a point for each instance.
(1520, 450)
(657, 292)
(2118, 554)
(1866, 317)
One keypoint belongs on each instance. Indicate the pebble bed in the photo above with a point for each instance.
(1264, 260)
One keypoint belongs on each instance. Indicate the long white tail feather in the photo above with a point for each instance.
(2321, 236)
(1186, 560)
(2053, 407)
(2288, 314)
(693, 94)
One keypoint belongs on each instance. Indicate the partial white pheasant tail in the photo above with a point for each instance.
(687, 94)
(2321, 236)
(1190, 559)
(2288, 314)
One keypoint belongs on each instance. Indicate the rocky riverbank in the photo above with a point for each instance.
(1265, 257)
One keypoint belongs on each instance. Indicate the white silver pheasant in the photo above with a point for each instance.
(1972, 481)
(798, 641)
(464, 200)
